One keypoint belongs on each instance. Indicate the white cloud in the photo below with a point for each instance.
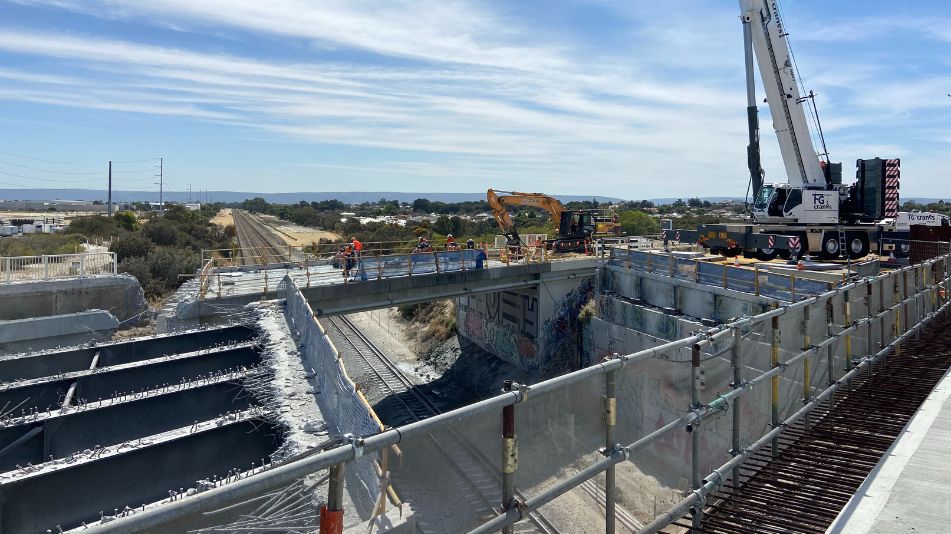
(465, 93)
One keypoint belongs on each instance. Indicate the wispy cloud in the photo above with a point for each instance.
(457, 89)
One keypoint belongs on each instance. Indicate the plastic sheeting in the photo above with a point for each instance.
(371, 268)
(788, 288)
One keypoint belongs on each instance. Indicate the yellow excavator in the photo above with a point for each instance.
(575, 227)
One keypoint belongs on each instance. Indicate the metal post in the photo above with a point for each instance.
(695, 480)
(869, 314)
(610, 421)
(82, 265)
(509, 456)
(792, 287)
(899, 314)
(756, 279)
(847, 322)
(725, 276)
(46, 267)
(735, 355)
(881, 323)
(670, 264)
(830, 318)
(331, 515)
(806, 364)
(774, 381)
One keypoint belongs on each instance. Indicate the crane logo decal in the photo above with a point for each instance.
(819, 202)
(794, 243)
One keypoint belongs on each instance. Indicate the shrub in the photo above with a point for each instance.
(161, 232)
(127, 221)
(130, 246)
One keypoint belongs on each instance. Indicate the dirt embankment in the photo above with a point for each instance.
(296, 235)
(224, 218)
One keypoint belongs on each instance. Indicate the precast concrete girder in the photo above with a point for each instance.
(44, 394)
(339, 299)
(58, 433)
(47, 363)
(86, 485)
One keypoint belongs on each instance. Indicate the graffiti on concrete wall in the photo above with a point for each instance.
(503, 340)
(559, 333)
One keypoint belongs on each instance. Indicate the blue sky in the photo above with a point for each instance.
(628, 98)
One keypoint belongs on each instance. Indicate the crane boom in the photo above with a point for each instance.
(782, 93)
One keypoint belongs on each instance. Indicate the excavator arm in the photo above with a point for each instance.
(498, 204)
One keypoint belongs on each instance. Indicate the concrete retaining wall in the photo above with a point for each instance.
(536, 328)
(121, 295)
(40, 333)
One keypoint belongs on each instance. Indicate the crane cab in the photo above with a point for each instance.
(786, 203)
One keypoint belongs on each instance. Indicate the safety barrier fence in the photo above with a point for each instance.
(53, 266)
(768, 283)
(216, 271)
(665, 411)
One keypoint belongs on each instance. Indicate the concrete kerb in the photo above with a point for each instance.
(363, 445)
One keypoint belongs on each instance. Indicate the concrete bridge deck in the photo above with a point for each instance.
(378, 282)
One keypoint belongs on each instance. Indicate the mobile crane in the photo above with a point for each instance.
(574, 227)
(813, 212)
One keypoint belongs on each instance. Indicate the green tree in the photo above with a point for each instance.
(636, 222)
(423, 205)
(127, 221)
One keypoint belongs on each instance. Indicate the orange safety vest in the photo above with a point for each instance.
(358, 246)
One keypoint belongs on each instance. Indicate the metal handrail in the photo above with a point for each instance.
(360, 446)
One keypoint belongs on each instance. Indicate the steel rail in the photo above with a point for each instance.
(429, 408)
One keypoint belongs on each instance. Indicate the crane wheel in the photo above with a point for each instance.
(766, 254)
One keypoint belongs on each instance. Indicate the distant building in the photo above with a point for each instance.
(192, 206)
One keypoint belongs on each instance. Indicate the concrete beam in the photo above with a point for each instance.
(40, 364)
(373, 294)
(48, 392)
(66, 494)
(21, 335)
(108, 422)
(121, 295)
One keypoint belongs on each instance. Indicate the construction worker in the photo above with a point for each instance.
(347, 261)
(470, 244)
(451, 243)
(357, 247)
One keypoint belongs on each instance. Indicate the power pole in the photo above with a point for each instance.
(189, 193)
(161, 164)
(109, 207)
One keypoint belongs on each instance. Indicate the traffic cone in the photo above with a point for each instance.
(736, 261)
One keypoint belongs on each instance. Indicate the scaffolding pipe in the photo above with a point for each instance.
(331, 514)
(509, 456)
(292, 470)
(737, 365)
(774, 381)
(697, 498)
(610, 421)
(695, 429)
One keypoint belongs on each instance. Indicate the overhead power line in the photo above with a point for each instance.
(48, 170)
(50, 160)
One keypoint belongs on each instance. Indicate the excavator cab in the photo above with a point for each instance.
(577, 224)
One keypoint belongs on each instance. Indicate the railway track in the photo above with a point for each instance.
(256, 244)
(474, 468)
(821, 464)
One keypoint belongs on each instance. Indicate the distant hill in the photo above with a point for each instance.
(350, 197)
